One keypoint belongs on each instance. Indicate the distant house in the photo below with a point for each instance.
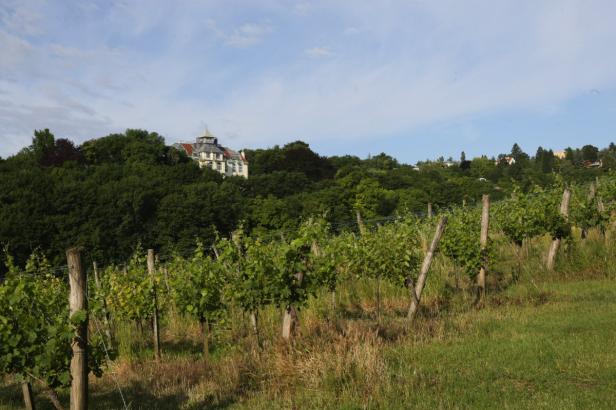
(507, 159)
(208, 153)
(560, 154)
(591, 164)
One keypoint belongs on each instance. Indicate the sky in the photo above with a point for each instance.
(415, 79)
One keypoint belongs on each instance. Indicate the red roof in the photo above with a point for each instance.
(188, 148)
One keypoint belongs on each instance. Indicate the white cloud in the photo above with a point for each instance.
(248, 34)
(319, 52)
(351, 31)
(245, 35)
(406, 65)
(21, 16)
(302, 8)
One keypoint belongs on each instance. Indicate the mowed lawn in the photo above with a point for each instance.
(556, 353)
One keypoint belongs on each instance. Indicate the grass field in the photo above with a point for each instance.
(550, 346)
(557, 351)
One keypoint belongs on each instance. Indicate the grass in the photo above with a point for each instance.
(558, 354)
(543, 341)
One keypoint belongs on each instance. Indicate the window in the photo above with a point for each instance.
(203, 155)
(219, 166)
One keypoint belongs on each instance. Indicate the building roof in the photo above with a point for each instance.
(230, 154)
(208, 143)
(205, 147)
(188, 148)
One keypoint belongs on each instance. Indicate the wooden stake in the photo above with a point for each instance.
(429, 209)
(289, 322)
(483, 240)
(254, 323)
(166, 273)
(417, 289)
(78, 303)
(564, 211)
(360, 223)
(106, 317)
(289, 319)
(155, 316)
(26, 389)
(592, 192)
(205, 335)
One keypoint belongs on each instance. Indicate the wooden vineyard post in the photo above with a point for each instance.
(289, 319)
(360, 223)
(564, 210)
(166, 273)
(289, 322)
(78, 305)
(592, 192)
(600, 205)
(417, 289)
(429, 209)
(155, 316)
(26, 389)
(254, 323)
(204, 326)
(483, 240)
(106, 318)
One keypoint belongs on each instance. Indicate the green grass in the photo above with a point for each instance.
(559, 354)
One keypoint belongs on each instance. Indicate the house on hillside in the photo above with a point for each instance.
(593, 164)
(208, 153)
(560, 154)
(506, 159)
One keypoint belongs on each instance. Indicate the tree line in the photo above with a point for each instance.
(111, 193)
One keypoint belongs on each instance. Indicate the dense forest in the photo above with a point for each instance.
(112, 193)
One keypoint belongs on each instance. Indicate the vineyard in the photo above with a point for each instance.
(281, 314)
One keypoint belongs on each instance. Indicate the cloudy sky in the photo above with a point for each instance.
(416, 79)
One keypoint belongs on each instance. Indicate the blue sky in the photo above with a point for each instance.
(416, 79)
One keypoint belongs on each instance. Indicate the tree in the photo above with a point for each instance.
(464, 164)
(373, 200)
(42, 143)
(517, 153)
(570, 155)
(590, 153)
(544, 159)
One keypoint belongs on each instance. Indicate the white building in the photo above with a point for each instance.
(560, 154)
(208, 153)
(506, 159)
